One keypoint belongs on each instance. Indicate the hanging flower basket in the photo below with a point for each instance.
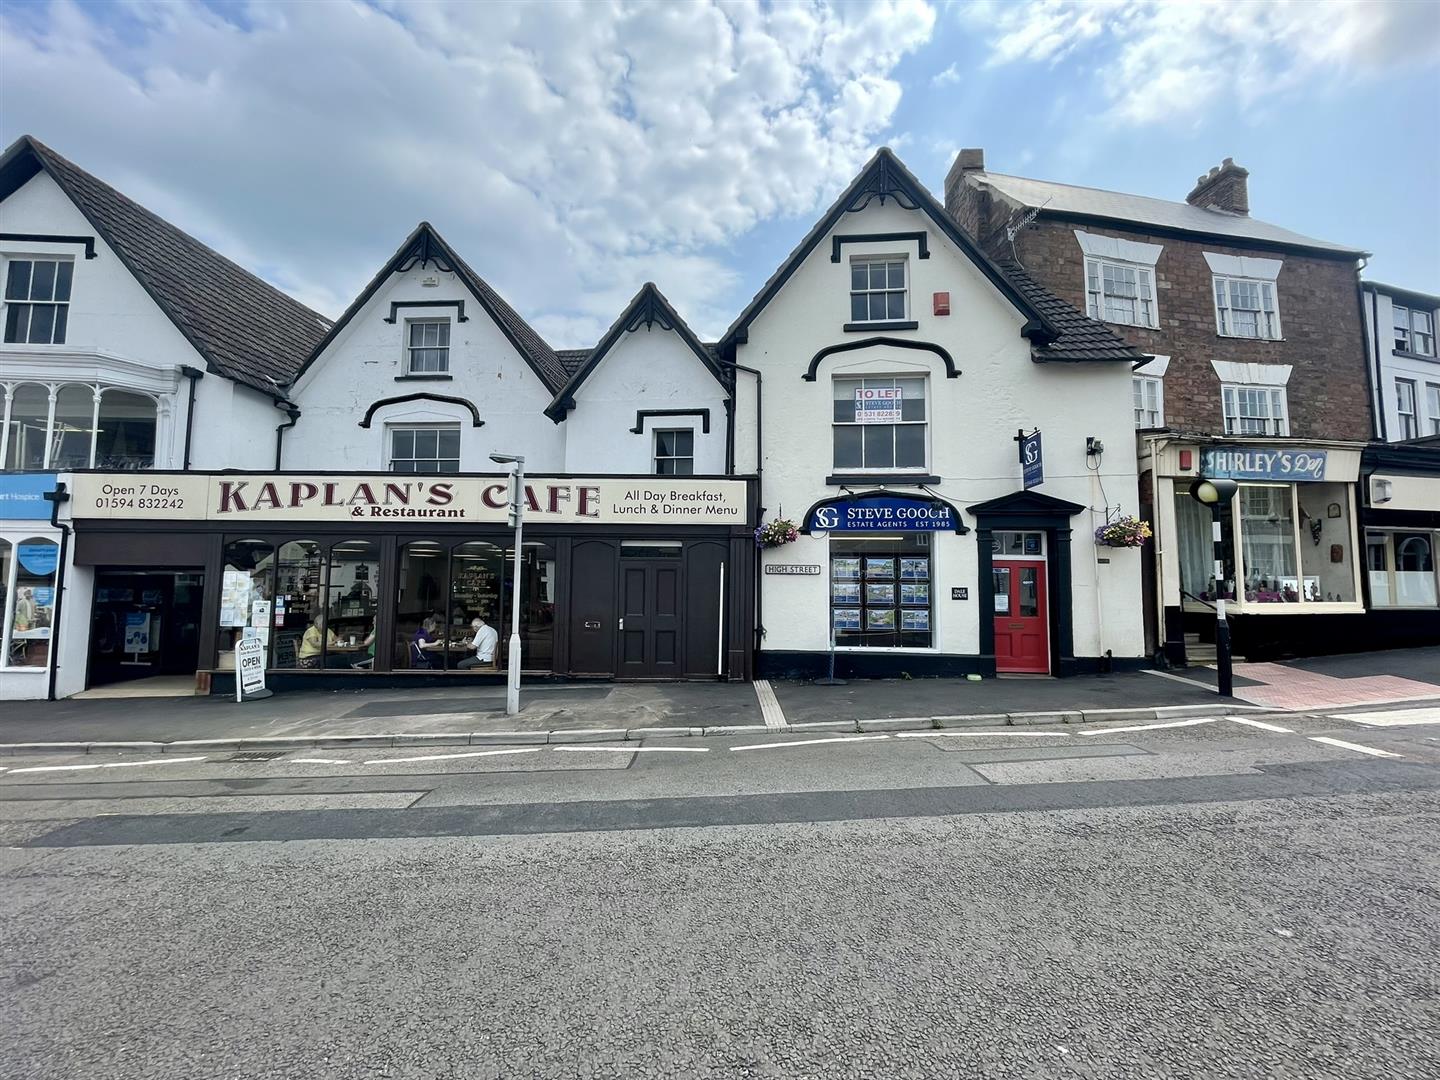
(1125, 532)
(777, 533)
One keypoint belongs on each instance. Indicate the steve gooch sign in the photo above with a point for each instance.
(397, 500)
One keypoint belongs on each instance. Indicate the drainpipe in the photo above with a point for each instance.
(55, 498)
(294, 414)
(194, 375)
(1373, 384)
(760, 489)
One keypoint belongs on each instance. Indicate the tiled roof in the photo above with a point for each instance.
(1081, 337)
(572, 360)
(245, 328)
(1141, 209)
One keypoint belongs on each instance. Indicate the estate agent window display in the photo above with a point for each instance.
(881, 592)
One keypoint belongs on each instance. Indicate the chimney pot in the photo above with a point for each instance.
(971, 159)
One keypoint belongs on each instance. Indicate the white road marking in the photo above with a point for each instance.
(636, 749)
(451, 757)
(809, 742)
(770, 710)
(1395, 718)
(317, 761)
(1154, 727)
(1352, 746)
(105, 765)
(981, 734)
(1261, 724)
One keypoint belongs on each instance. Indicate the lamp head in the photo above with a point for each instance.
(1213, 492)
(508, 459)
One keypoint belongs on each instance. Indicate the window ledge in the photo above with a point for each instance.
(1244, 337)
(910, 478)
(426, 377)
(1408, 355)
(862, 327)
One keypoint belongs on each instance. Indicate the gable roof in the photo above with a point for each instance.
(885, 177)
(1081, 338)
(648, 307)
(1068, 200)
(244, 328)
(425, 245)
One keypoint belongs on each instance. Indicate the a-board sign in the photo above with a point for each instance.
(249, 669)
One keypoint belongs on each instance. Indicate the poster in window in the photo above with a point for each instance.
(880, 619)
(879, 593)
(1002, 603)
(914, 593)
(1032, 543)
(845, 569)
(879, 405)
(914, 569)
(845, 592)
(234, 598)
(847, 618)
(879, 568)
(915, 620)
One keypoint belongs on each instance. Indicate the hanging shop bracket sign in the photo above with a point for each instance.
(884, 512)
(245, 498)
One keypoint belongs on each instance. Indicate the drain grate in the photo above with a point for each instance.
(257, 755)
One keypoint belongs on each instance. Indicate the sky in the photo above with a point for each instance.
(572, 151)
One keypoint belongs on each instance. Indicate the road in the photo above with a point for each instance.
(1215, 899)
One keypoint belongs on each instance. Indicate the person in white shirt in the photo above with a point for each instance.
(483, 643)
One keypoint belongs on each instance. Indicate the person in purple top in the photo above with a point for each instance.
(423, 644)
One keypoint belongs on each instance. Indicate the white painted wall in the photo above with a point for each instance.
(972, 425)
(361, 367)
(1380, 308)
(645, 369)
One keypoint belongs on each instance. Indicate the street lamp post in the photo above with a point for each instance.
(517, 519)
(1216, 494)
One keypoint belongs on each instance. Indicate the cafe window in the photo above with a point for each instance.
(27, 600)
(879, 423)
(477, 576)
(350, 606)
(881, 592)
(300, 622)
(537, 605)
(247, 577)
(421, 604)
(1294, 543)
(1401, 568)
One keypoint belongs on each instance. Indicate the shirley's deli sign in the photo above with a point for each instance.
(245, 498)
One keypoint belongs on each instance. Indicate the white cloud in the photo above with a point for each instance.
(1159, 61)
(951, 74)
(569, 151)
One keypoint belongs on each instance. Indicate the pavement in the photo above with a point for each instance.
(557, 712)
(1237, 898)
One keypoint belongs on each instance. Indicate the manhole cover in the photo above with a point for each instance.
(257, 755)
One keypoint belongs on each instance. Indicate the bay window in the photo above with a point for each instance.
(879, 423)
(78, 426)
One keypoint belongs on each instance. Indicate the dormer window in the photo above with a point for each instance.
(428, 351)
(37, 301)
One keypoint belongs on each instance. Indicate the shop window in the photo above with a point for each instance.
(1401, 566)
(477, 574)
(125, 436)
(880, 592)
(247, 577)
(1267, 544)
(6, 560)
(28, 426)
(879, 423)
(1245, 307)
(1327, 542)
(877, 290)
(300, 632)
(1195, 549)
(73, 435)
(350, 605)
(29, 579)
(537, 606)
(1295, 543)
(37, 300)
(1255, 410)
(421, 599)
(429, 347)
(433, 448)
(675, 452)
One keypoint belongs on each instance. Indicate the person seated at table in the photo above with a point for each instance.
(313, 642)
(483, 642)
(423, 643)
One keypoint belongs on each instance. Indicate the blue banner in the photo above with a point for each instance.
(883, 513)
(22, 496)
(1032, 460)
(1256, 463)
(38, 558)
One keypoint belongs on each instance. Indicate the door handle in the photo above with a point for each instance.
(622, 624)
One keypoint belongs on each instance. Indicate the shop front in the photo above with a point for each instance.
(1401, 518)
(364, 579)
(30, 554)
(1290, 538)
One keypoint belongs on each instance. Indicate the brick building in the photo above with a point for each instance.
(1259, 375)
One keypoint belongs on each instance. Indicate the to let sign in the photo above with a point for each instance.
(878, 405)
(250, 669)
(1256, 463)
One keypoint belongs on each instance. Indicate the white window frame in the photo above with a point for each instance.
(888, 261)
(391, 430)
(1097, 294)
(657, 457)
(8, 598)
(98, 390)
(1152, 387)
(412, 350)
(1409, 417)
(1277, 420)
(1267, 322)
(1418, 340)
(7, 303)
(1301, 604)
(1392, 566)
(1432, 404)
(876, 377)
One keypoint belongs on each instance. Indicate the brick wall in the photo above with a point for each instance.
(1319, 316)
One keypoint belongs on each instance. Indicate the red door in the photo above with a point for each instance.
(1022, 623)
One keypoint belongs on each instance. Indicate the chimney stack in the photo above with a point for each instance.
(966, 161)
(1224, 187)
